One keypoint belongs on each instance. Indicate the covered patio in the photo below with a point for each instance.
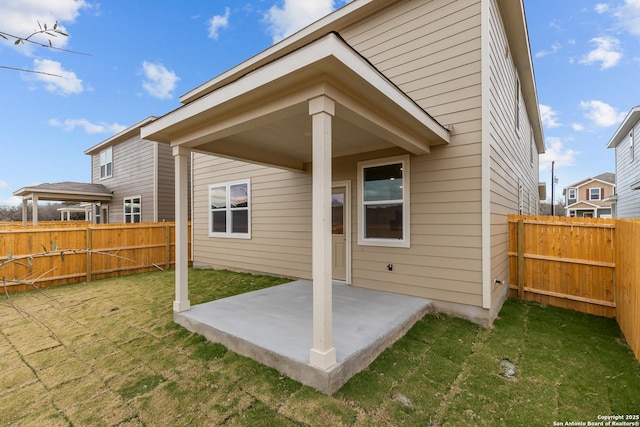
(294, 107)
(61, 192)
(274, 326)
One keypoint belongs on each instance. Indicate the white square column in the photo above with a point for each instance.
(25, 211)
(323, 354)
(34, 211)
(181, 302)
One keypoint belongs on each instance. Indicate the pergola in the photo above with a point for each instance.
(61, 191)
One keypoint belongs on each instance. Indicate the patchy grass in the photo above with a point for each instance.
(108, 353)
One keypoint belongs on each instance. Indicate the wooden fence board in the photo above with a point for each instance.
(588, 265)
(82, 252)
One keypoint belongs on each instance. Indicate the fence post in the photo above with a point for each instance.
(520, 270)
(167, 247)
(89, 246)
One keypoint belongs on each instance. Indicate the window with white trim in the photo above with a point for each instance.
(106, 163)
(230, 210)
(572, 193)
(132, 209)
(594, 194)
(383, 202)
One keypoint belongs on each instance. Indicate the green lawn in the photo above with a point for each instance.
(108, 353)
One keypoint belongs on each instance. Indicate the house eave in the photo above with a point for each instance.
(327, 66)
(515, 21)
(625, 127)
(127, 133)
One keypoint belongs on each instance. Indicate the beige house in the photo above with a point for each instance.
(383, 145)
(590, 197)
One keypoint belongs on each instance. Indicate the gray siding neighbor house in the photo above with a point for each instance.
(383, 146)
(140, 175)
(626, 203)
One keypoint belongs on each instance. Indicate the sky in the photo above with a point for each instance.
(124, 60)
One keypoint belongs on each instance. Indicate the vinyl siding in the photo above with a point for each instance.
(431, 51)
(133, 175)
(628, 173)
(510, 145)
(165, 193)
(280, 206)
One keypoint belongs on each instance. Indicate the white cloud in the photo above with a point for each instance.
(628, 16)
(218, 22)
(159, 82)
(3, 185)
(57, 80)
(20, 18)
(295, 15)
(88, 127)
(554, 49)
(607, 52)
(557, 152)
(578, 127)
(601, 114)
(601, 8)
(548, 116)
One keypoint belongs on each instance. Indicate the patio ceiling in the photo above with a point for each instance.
(263, 116)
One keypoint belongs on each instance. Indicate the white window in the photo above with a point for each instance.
(132, 209)
(572, 193)
(106, 163)
(230, 210)
(594, 194)
(383, 202)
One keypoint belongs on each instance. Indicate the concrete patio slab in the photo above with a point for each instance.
(274, 327)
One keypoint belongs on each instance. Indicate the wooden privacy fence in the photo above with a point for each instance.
(49, 256)
(588, 265)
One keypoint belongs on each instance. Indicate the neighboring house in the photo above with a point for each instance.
(626, 203)
(140, 175)
(133, 180)
(395, 135)
(589, 198)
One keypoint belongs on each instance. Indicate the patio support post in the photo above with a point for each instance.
(181, 302)
(25, 211)
(34, 212)
(322, 354)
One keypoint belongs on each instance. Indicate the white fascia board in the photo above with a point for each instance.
(627, 124)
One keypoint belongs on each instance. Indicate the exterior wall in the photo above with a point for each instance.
(280, 206)
(431, 51)
(513, 156)
(132, 175)
(628, 173)
(165, 193)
